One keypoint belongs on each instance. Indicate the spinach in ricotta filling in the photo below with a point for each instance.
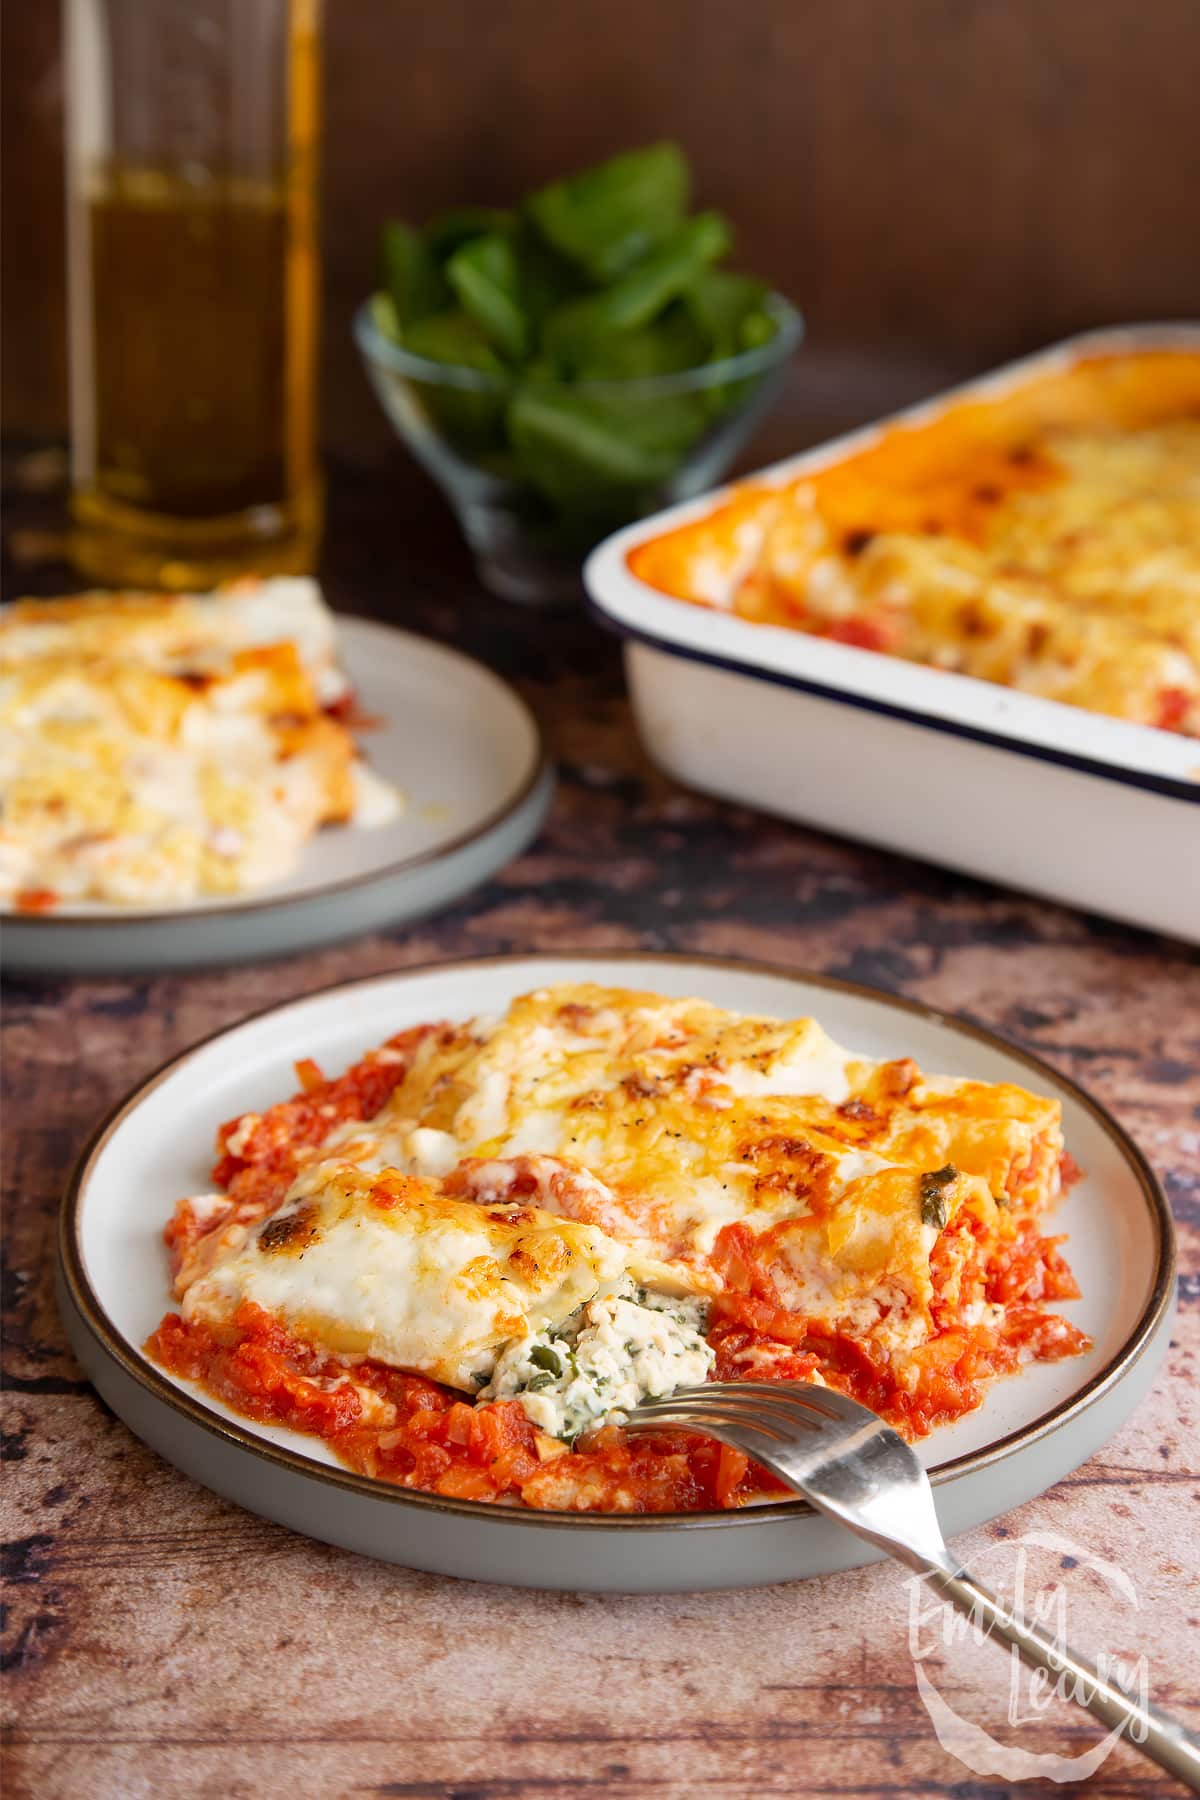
(617, 1350)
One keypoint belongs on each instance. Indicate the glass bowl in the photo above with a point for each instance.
(538, 470)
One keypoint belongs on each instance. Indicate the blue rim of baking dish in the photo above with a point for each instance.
(1172, 787)
(134, 1363)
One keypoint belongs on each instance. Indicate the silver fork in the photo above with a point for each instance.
(853, 1467)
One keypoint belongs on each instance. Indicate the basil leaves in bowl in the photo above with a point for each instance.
(574, 363)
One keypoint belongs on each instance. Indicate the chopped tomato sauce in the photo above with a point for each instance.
(410, 1431)
(861, 634)
(36, 900)
(1173, 707)
(309, 1116)
(1069, 1171)
(348, 711)
(756, 1338)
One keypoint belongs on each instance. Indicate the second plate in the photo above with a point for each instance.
(462, 745)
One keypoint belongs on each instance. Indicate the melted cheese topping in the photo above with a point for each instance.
(863, 1267)
(180, 634)
(387, 1267)
(154, 749)
(661, 1121)
(1047, 540)
(679, 1105)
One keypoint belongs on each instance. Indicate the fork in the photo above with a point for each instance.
(851, 1466)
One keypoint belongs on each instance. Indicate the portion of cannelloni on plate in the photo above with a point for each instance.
(466, 1258)
(156, 749)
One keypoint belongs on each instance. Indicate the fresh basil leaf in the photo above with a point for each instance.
(544, 1358)
(383, 317)
(672, 343)
(452, 337)
(577, 329)
(721, 303)
(728, 311)
(934, 1210)
(547, 280)
(600, 283)
(590, 453)
(471, 419)
(606, 217)
(411, 276)
(458, 224)
(757, 328)
(483, 273)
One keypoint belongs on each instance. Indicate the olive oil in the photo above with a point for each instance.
(193, 316)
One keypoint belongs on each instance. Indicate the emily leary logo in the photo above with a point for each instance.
(937, 1630)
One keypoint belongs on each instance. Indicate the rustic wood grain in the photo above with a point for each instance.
(160, 1643)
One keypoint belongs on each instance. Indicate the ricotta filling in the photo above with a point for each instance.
(612, 1353)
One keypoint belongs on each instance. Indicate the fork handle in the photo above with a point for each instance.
(1155, 1733)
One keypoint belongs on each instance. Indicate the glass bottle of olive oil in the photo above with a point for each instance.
(192, 146)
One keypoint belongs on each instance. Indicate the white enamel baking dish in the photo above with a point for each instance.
(1024, 791)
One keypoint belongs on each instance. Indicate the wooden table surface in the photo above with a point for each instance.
(159, 1642)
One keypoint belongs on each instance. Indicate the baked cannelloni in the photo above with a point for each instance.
(683, 1189)
(1046, 538)
(388, 1267)
(155, 748)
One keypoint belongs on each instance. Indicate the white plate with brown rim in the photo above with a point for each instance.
(466, 752)
(1032, 1429)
